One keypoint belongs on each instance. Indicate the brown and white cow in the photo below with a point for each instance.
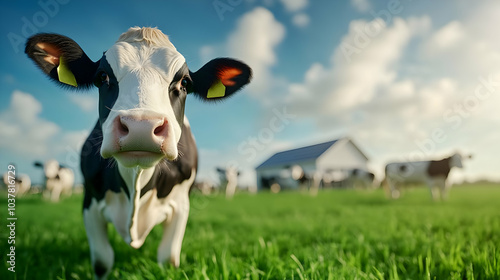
(434, 173)
(140, 160)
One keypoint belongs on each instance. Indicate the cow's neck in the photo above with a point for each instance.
(135, 179)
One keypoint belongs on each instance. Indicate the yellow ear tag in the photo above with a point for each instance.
(65, 75)
(216, 90)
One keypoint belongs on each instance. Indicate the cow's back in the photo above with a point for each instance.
(409, 172)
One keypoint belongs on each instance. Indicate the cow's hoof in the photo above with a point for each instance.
(395, 194)
(100, 270)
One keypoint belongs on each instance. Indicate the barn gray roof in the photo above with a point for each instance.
(297, 155)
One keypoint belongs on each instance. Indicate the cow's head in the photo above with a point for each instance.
(50, 168)
(456, 160)
(143, 83)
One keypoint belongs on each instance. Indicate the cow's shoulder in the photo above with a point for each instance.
(439, 167)
(100, 175)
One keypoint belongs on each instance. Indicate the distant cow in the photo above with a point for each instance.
(229, 178)
(305, 180)
(347, 178)
(359, 178)
(58, 179)
(434, 173)
(140, 160)
(22, 183)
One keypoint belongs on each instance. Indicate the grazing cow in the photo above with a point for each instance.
(229, 178)
(140, 160)
(302, 179)
(359, 178)
(434, 173)
(22, 183)
(58, 179)
(343, 178)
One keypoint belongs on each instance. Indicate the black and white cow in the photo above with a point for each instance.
(434, 173)
(58, 179)
(140, 160)
(311, 181)
(359, 178)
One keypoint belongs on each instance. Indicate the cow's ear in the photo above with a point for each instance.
(62, 59)
(220, 78)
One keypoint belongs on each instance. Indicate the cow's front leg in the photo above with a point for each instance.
(433, 190)
(393, 192)
(444, 186)
(101, 252)
(56, 192)
(173, 231)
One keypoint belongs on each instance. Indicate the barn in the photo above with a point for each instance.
(332, 159)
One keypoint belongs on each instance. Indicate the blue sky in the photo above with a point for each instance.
(398, 77)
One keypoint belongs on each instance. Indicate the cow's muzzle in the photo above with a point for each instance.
(140, 139)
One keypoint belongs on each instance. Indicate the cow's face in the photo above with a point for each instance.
(142, 87)
(51, 168)
(143, 83)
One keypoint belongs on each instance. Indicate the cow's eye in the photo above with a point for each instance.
(186, 84)
(101, 78)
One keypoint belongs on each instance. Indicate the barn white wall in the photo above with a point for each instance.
(342, 155)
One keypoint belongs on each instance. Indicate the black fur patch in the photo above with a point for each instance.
(108, 92)
(77, 61)
(207, 75)
(403, 168)
(178, 97)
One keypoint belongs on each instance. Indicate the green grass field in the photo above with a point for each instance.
(340, 234)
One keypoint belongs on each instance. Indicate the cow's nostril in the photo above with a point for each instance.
(160, 130)
(122, 127)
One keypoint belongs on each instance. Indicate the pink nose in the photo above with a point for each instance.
(141, 133)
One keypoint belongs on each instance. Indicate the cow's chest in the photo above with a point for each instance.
(134, 216)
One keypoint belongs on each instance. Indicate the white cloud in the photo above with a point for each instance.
(294, 5)
(301, 20)
(349, 83)
(87, 102)
(464, 48)
(446, 37)
(254, 41)
(26, 134)
(361, 6)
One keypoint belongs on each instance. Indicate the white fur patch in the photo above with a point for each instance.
(144, 73)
